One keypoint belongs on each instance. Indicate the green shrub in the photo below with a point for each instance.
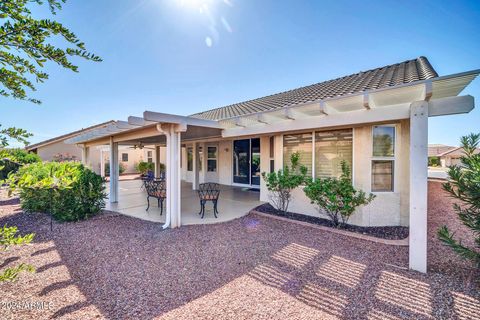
(433, 161)
(280, 184)
(464, 185)
(121, 168)
(8, 238)
(142, 167)
(67, 190)
(338, 198)
(12, 159)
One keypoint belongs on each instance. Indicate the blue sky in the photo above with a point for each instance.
(164, 56)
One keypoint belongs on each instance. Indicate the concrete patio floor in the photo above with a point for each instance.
(234, 202)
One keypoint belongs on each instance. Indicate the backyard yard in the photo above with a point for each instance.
(117, 267)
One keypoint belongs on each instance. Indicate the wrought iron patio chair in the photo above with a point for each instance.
(156, 189)
(150, 176)
(208, 191)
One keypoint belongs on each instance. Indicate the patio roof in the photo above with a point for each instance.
(382, 94)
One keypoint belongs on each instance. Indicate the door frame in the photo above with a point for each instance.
(250, 185)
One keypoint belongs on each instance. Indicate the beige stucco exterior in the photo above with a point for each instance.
(387, 209)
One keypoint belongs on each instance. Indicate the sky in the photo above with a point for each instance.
(186, 56)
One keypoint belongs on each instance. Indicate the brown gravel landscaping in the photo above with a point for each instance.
(255, 267)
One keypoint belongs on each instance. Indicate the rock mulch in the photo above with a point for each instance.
(117, 267)
(391, 233)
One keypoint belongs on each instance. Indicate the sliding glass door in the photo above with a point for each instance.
(246, 162)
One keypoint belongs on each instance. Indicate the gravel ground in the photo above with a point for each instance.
(393, 233)
(116, 267)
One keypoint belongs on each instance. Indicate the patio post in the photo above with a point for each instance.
(418, 185)
(172, 133)
(102, 163)
(203, 161)
(114, 171)
(195, 162)
(157, 161)
(85, 155)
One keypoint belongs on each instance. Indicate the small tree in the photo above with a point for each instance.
(8, 237)
(280, 184)
(464, 185)
(338, 198)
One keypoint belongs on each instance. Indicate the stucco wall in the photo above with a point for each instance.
(48, 152)
(388, 208)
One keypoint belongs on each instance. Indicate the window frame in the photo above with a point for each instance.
(149, 156)
(393, 158)
(189, 160)
(124, 154)
(212, 158)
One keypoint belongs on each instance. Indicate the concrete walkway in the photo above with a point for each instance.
(234, 202)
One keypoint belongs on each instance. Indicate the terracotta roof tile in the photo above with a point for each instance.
(387, 76)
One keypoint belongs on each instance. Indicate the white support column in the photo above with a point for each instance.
(114, 171)
(102, 163)
(418, 185)
(195, 162)
(157, 161)
(85, 156)
(203, 160)
(173, 179)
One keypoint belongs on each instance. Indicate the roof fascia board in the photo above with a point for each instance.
(172, 118)
(426, 82)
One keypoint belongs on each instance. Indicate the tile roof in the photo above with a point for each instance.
(66, 136)
(388, 76)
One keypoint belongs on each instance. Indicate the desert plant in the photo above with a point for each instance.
(281, 183)
(336, 197)
(67, 190)
(464, 184)
(8, 238)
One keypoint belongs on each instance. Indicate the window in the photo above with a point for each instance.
(125, 157)
(301, 143)
(189, 159)
(212, 159)
(150, 156)
(272, 154)
(331, 148)
(383, 161)
(200, 158)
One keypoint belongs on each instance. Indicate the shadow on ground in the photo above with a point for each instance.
(117, 267)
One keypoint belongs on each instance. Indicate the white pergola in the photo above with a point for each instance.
(415, 101)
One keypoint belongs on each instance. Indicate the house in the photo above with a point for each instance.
(375, 120)
(55, 149)
(451, 157)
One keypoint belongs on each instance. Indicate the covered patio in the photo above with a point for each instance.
(234, 202)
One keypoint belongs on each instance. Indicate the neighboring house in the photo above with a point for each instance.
(375, 120)
(56, 149)
(436, 149)
(452, 156)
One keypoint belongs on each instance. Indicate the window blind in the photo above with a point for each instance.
(331, 148)
(301, 143)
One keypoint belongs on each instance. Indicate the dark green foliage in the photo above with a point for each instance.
(67, 190)
(280, 184)
(18, 134)
(433, 161)
(9, 237)
(121, 168)
(464, 185)
(12, 159)
(142, 167)
(338, 198)
(26, 45)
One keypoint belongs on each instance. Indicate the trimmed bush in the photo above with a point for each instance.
(337, 198)
(67, 190)
(121, 168)
(143, 167)
(12, 159)
(433, 161)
